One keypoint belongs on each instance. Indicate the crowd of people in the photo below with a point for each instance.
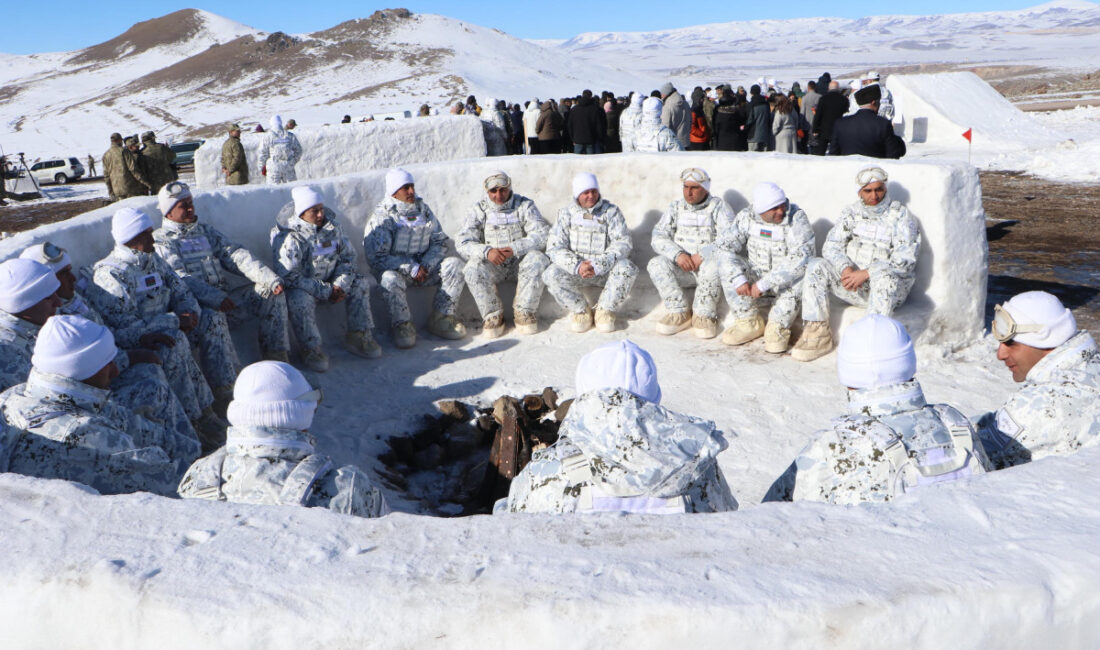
(124, 376)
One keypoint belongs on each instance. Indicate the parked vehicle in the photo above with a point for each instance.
(185, 151)
(57, 170)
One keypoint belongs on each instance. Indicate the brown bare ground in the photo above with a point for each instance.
(175, 27)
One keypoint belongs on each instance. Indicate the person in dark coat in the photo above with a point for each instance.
(729, 123)
(865, 133)
(516, 116)
(758, 124)
(832, 106)
(587, 125)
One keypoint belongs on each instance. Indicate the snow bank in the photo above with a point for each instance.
(946, 306)
(356, 147)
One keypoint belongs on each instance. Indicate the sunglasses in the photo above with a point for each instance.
(1005, 328)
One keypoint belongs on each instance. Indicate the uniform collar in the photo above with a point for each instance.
(1071, 355)
(269, 442)
(177, 227)
(50, 387)
(887, 400)
(23, 328)
(508, 205)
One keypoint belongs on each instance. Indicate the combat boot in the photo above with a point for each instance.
(363, 344)
(211, 430)
(776, 338)
(744, 330)
(605, 320)
(582, 321)
(673, 322)
(446, 326)
(493, 326)
(816, 341)
(276, 355)
(404, 335)
(526, 322)
(315, 359)
(704, 327)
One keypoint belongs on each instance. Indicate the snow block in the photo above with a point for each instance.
(945, 307)
(356, 147)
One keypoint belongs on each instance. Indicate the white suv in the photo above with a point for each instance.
(57, 170)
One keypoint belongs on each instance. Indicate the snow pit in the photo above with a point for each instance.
(360, 146)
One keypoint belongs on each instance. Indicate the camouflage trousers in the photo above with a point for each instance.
(482, 277)
(785, 302)
(303, 312)
(879, 295)
(220, 363)
(270, 311)
(449, 276)
(144, 389)
(669, 279)
(184, 375)
(280, 173)
(566, 286)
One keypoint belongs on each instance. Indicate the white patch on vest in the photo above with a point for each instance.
(194, 245)
(1006, 424)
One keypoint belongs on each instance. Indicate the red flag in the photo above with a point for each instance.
(968, 134)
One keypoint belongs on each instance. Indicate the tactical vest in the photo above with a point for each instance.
(198, 257)
(325, 253)
(151, 294)
(694, 229)
(931, 445)
(593, 496)
(588, 233)
(503, 228)
(871, 238)
(766, 244)
(413, 234)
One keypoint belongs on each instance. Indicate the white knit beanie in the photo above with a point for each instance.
(652, 106)
(171, 194)
(1041, 308)
(73, 347)
(583, 182)
(276, 123)
(25, 283)
(129, 223)
(766, 196)
(397, 178)
(305, 197)
(41, 253)
(875, 351)
(270, 394)
(619, 365)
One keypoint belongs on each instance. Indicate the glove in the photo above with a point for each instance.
(263, 170)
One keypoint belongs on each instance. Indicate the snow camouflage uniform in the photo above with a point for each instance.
(73, 431)
(691, 229)
(517, 225)
(629, 124)
(134, 293)
(198, 253)
(882, 239)
(496, 129)
(280, 151)
(1055, 412)
(772, 255)
(601, 236)
(891, 442)
(274, 466)
(620, 453)
(400, 237)
(650, 135)
(312, 260)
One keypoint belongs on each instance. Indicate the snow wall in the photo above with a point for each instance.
(946, 305)
(360, 146)
(938, 108)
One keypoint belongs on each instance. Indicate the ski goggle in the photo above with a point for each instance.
(695, 175)
(1005, 328)
(176, 189)
(869, 175)
(52, 253)
(315, 395)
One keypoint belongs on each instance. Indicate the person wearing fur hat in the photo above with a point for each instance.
(146, 304)
(270, 456)
(652, 136)
(589, 246)
(28, 296)
(869, 259)
(317, 263)
(66, 426)
(865, 132)
(1057, 409)
(205, 260)
(619, 450)
(280, 151)
(234, 162)
(684, 240)
(406, 245)
(764, 253)
(160, 161)
(892, 441)
(504, 237)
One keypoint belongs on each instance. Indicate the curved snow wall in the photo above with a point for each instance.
(946, 305)
(360, 146)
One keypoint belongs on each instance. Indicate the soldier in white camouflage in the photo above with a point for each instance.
(269, 456)
(406, 245)
(590, 246)
(280, 151)
(203, 258)
(892, 441)
(766, 249)
(145, 304)
(630, 120)
(619, 450)
(684, 240)
(869, 259)
(1057, 409)
(317, 263)
(69, 428)
(649, 134)
(503, 238)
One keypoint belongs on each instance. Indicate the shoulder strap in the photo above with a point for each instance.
(603, 497)
(300, 482)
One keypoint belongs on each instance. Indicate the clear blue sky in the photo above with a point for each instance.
(28, 26)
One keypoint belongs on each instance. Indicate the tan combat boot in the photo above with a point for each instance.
(582, 321)
(605, 320)
(744, 330)
(315, 359)
(363, 344)
(704, 327)
(526, 322)
(446, 327)
(816, 341)
(404, 335)
(776, 339)
(673, 322)
(493, 325)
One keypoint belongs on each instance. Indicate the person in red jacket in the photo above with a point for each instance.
(700, 130)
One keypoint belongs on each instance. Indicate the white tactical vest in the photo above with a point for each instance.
(413, 234)
(152, 294)
(872, 237)
(766, 244)
(198, 258)
(694, 229)
(502, 228)
(588, 233)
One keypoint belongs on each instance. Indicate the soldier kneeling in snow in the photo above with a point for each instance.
(269, 456)
(892, 441)
(620, 451)
(504, 237)
(1057, 410)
